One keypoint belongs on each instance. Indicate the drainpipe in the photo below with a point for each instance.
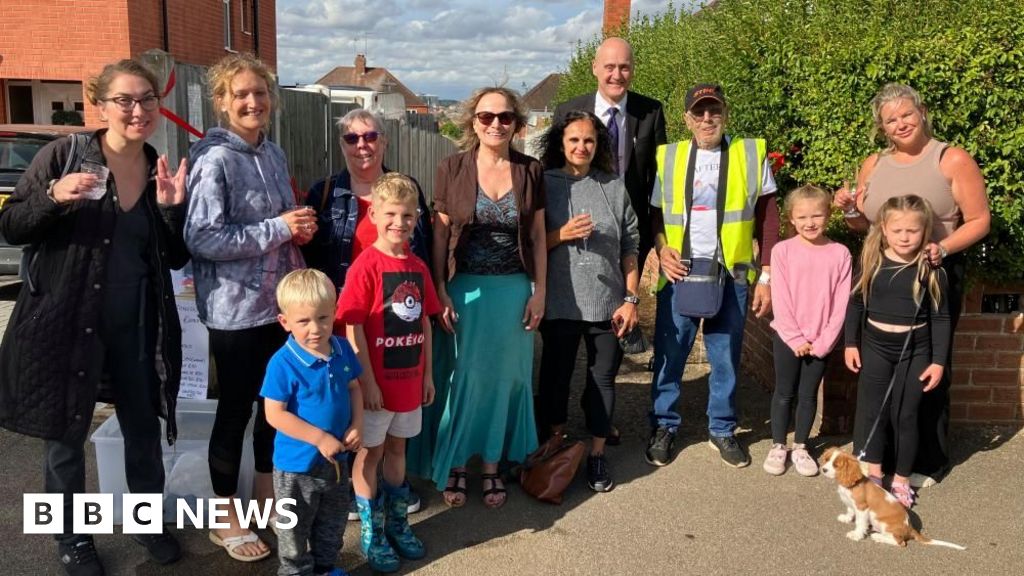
(167, 33)
(256, 28)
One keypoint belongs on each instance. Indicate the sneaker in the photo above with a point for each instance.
(730, 450)
(802, 461)
(353, 510)
(163, 548)
(660, 447)
(775, 462)
(79, 558)
(598, 477)
(413, 501)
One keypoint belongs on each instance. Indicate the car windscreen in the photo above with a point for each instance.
(16, 152)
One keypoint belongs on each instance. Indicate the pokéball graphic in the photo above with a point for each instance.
(406, 302)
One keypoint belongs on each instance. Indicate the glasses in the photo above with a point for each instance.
(714, 110)
(127, 103)
(352, 138)
(486, 118)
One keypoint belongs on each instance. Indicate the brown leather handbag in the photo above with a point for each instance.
(550, 469)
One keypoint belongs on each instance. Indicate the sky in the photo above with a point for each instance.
(441, 47)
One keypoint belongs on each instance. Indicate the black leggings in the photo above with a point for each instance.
(794, 376)
(561, 340)
(241, 358)
(880, 360)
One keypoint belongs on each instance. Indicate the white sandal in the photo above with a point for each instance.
(232, 542)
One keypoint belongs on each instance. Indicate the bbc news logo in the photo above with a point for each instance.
(144, 513)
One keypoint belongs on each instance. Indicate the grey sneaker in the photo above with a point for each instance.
(730, 450)
(775, 462)
(802, 461)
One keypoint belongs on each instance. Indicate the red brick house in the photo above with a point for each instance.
(376, 79)
(49, 47)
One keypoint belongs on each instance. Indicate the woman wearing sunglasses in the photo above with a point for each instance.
(343, 229)
(244, 231)
(593, 241)
(95, 317)
(488, 248)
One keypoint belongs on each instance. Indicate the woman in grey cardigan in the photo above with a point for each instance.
(592, 241)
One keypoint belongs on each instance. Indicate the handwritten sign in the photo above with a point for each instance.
(195, 340)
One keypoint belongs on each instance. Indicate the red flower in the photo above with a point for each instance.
(778, 160)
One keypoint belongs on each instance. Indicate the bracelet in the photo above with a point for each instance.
(49, 191)
(942, 250)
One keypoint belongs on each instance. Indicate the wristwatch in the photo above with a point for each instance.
(764, 278)
(632, 299)
(942, 251)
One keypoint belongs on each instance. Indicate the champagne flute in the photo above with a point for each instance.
(851, 187)
(584, 212)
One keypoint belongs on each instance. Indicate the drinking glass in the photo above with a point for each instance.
(584, 212)
(851, 186)
(101, 173)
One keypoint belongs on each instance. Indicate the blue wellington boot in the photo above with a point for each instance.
(372, 542)
(396, 526)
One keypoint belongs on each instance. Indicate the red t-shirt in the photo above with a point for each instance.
(366, 231)
(391, 298)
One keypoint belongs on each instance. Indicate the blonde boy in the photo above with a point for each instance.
(384, 306)
(313, 399)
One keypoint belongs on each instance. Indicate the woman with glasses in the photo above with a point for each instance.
(96, 317)
(914, 162)
(489, 266)
(592, 240)
(244, 231)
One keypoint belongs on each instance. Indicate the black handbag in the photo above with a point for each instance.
(700, 293)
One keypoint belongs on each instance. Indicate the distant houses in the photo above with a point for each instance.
(371, 88)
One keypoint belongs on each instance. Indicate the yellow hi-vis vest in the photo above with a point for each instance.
(742, 186)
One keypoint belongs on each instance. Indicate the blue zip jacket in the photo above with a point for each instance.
(241, 247)
(330, 251)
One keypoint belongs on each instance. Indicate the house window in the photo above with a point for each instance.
(245, 8)
(57, 106)
(227, 25)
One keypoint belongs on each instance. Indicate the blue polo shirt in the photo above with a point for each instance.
(315, 390)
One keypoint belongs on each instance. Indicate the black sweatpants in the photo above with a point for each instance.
(558, 361)
(880, 362)
(799, 377)
(241, 358)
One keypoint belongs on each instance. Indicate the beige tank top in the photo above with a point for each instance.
(921, 177)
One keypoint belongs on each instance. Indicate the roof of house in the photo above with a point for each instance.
(378, 79)
(540, 96)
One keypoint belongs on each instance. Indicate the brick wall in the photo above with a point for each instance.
(616, 15)
(74, 39)
(988, 373)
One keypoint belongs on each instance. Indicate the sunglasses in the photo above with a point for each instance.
(353, 138)
(486, 118)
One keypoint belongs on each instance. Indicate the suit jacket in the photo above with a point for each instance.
(645, 131)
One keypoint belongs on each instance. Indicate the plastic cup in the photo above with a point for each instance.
(100, 187)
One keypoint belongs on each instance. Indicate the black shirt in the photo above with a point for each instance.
(892, 302)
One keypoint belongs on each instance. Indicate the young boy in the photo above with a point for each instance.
(313, 399)
(385, 305)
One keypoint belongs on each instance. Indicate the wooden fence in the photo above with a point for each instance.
(304, 127)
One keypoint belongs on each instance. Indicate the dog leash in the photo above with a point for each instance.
(892, 381)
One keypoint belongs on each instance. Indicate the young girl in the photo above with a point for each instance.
(810, 291)
(900, 305)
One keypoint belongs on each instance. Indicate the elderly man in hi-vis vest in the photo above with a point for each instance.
(713, 196)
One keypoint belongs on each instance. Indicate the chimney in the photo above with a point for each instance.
(616, 17)
(360, 64)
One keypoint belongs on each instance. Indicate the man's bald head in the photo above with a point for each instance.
(613, 68)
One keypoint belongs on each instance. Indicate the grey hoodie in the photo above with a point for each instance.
(241, 247)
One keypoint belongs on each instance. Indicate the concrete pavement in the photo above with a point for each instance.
(695, 516)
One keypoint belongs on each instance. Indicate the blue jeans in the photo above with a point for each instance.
(723, 338)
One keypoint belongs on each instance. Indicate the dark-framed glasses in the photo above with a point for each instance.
(486, 118)
(127, 103)
(352, 138)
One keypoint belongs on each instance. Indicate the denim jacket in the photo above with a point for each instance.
(330, 251)
(241, 247)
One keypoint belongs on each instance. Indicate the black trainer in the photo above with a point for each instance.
(660, 447)
(163, 548)
(730, 450)
(598, 477)
(79, 558)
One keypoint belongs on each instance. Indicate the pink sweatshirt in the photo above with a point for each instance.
(810, 290)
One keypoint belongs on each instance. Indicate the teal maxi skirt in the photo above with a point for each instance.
(489, 405)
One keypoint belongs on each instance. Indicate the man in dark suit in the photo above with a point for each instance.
(637, 131)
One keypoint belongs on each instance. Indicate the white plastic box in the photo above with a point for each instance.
(186, 472)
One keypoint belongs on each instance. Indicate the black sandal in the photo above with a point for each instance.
(494, 489)
(456, 487)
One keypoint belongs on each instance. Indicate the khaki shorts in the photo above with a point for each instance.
(379, 423)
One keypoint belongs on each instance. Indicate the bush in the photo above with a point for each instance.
(67, 118)
(801, 73)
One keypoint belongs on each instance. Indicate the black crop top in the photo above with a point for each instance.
(892, 302)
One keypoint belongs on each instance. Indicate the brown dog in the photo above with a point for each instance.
(869, 507)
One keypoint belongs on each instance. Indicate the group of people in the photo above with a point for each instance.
(407, 343)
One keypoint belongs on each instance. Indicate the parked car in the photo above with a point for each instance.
(19, 144)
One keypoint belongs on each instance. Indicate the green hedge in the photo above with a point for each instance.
(802, 74)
